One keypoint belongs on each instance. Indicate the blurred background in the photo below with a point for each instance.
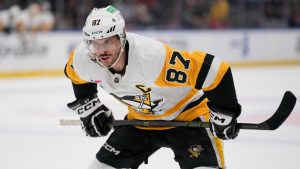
(153, 14)
(259, 38)
(44, 32)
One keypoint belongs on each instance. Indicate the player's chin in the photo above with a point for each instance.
(107, 63)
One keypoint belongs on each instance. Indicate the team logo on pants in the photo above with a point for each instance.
(195, 150)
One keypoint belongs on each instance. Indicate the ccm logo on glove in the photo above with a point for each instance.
(216, 118)
(88, 107)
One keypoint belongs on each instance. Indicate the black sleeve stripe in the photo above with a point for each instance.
(65, 71)
(224, 95)
(194, 103)
(204, 71)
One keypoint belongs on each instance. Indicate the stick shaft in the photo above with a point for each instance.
(283, 111)
(66, 122)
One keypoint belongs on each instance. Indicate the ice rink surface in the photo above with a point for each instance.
(31, 138)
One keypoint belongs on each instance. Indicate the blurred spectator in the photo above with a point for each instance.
(152, 14)
(195, 14)
(127, 8)
(219, 13)
(70, 14)
(83, 10)
(36, 17)
(136, 13)
(25, 18)
(143, 17)
(274, 14)
(294, 18)
(2, 4)
(45, 21)
(4, 21)
(8, 18)
(170, 14)
(273, 9)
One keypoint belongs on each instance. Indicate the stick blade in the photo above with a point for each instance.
(284, 110)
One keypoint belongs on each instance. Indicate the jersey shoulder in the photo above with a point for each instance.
(147, 47)
(146, 54)
(80, 67)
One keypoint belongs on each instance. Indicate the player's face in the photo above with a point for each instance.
(107, 50)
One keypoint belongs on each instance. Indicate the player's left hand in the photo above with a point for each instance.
(223, 123)
(96, 119)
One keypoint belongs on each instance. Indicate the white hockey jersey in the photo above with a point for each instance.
(160, 83)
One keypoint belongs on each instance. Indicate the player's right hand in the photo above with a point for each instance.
(223, 123)
(96, 118)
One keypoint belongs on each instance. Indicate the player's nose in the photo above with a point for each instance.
(100, 50)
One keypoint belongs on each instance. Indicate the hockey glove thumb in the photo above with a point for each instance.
(96, 118)
(223, 123)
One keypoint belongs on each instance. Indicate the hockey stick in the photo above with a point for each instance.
(283, 111)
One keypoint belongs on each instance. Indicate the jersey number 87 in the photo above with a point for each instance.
(174, 75)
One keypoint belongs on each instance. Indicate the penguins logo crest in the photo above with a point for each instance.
(141, 103)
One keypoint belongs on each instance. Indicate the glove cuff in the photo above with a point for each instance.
(233, 113)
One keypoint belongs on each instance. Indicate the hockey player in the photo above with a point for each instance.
(156, 82)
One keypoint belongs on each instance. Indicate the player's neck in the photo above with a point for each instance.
(120, 65)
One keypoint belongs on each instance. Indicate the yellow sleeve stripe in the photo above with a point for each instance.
(71, 74)
(197, 64)
(212, 73)
(221, 72)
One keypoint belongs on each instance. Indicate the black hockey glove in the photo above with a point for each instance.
(95, 117)
(223, 122)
